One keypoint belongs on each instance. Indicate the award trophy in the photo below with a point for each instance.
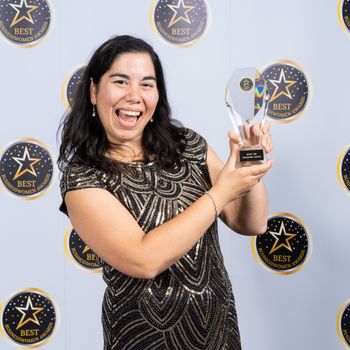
(247, 100)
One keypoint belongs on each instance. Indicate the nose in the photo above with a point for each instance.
(133, 94)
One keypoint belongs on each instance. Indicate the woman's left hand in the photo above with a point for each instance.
(266, 140)
(258, 134)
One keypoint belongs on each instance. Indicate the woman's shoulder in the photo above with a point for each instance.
(78, 175)
(78, 170)
(196, 145)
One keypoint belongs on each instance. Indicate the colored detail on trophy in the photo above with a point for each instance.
(29, 318)
(289, 91)
(80, 253)
(25, 22)
(26, 168)
(343, 324)
(343, 169)
(180, 22)
(286, 245)
(259, 90)
(261, 95)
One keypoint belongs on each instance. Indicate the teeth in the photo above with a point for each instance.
(130, 113)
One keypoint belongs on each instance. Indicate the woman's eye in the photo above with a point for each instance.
(147, 85)
(120, 82)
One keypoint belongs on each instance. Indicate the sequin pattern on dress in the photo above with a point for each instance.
(190, 306)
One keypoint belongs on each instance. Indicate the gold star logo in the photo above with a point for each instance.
(23, 12)
(282, 86)
(86, 249)
(282, 239)
(180, 13)
(25, 162)
(28, 314)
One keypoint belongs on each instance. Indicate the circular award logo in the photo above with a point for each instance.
(343, 324)
(289, 91)
(246, 84)
(70, 86)
(344, 14)
(29, 318)
(286, 245)
(26, 168)
(343, 169)
(25, 22)
(81, 254)
(180, 22)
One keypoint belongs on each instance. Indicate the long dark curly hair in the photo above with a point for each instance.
(83, 138)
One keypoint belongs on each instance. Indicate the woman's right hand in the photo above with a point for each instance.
(235, 180)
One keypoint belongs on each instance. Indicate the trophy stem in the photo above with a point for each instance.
(234, 124)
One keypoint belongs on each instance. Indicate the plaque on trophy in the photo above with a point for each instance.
(247, 100)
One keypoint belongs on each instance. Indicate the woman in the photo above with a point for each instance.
(144, 194)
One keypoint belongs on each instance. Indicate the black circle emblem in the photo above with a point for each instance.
(80, 253)
(289, 91)
(343, 169)
(25, 22)
(286, 245)
(26, 168)
(180, 22)
(246, 84)
(29, 318)
(343, 324)
(344, 14)
(70, 86)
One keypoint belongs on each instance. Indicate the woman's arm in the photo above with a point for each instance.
(247, 214)
(108, 228)
(114, 235)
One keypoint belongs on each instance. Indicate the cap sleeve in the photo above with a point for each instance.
(76, 176)
(196, 147)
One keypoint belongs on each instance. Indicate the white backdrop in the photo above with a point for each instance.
(296, 311)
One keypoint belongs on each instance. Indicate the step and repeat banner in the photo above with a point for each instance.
(292, 283)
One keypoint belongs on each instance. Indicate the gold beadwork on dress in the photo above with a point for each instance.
(188, 306)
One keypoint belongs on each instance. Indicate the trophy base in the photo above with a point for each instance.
(251, 153)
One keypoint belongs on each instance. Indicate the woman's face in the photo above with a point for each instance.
(126, 98)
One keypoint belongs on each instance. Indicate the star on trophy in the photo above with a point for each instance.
(247, 100)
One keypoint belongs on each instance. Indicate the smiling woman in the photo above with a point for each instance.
(90, 140)
(126, 98)
(144, 194)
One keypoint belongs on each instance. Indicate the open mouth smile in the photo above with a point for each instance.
(128, 113)
(128, 118)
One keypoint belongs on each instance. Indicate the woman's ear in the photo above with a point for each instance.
(93, 90)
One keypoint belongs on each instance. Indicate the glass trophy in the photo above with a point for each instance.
(247, 100)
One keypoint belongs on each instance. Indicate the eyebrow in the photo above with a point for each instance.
(125, 76)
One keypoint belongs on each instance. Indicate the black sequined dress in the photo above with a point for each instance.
(188, 306)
